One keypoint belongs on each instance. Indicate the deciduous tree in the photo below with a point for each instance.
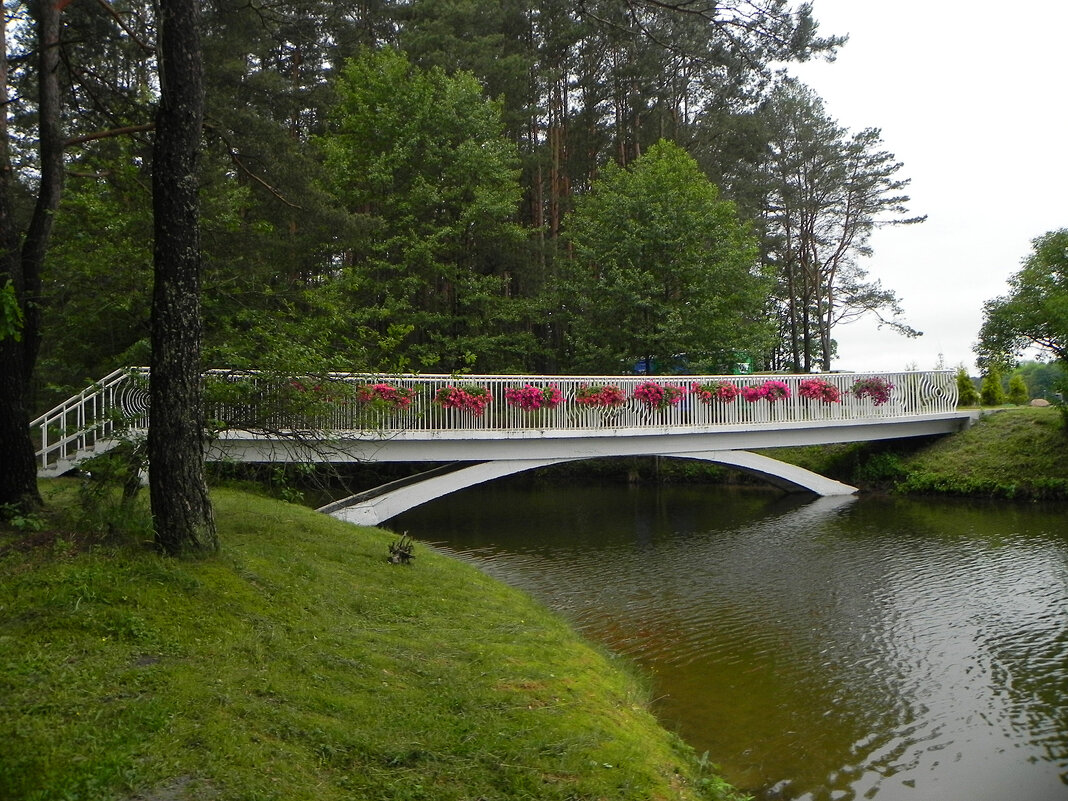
(1034, 313)
(661, 266)
(418, 157)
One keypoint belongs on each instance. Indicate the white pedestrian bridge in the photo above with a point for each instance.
(490, 429)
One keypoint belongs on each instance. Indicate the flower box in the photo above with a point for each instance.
(874, 387)
(385, 396)
(715, 391)
(817, 389)
(659, 396)
(532, 399)
(468, 397)
(606, 396)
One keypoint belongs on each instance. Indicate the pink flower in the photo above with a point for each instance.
(606, 395)
(531, 398)
(819, 390)
(659, 396)
(470, 397)
(753, 393)
(385, 395)
(715, 390)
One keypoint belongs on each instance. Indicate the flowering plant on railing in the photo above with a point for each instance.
(471, 397)
(604, 395)
(531, 398)
(715, 390)
(385, 396)
(659, 396)
(819, 390)
(770, 391)
(874, 387)
(754, 393)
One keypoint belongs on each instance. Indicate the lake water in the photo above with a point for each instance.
(854, 648)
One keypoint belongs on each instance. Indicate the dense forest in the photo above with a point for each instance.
(448, 185)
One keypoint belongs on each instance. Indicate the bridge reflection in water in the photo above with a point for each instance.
(487, 426)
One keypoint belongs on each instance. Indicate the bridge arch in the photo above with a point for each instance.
(375, 506)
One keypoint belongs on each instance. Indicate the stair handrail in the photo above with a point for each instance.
(76, 425)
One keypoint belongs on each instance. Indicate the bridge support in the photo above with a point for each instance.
(378, 505)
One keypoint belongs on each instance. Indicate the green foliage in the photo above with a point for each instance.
(1035, 311)
(110, 505)
(298, 664)
(881, 468)
(19, 519)
(419, 159)
(10, 313)
(98, 277)
(1018, 394)
(991, 391)
(662, 266)
(1042, 378)
(967, 395)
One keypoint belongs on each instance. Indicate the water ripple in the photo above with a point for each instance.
(877, 649)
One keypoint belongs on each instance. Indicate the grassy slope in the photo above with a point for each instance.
(300, 665)
(1010, 453)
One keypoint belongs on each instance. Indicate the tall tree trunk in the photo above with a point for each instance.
(181, 509)
(18, 467)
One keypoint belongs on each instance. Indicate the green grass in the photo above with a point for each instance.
(1011, 453)
(298, 664)
(1008, 453)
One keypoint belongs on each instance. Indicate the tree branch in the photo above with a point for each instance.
(111, 132)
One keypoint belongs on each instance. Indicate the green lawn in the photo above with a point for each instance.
(299, 664)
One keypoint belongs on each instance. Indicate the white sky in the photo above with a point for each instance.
(972, 97)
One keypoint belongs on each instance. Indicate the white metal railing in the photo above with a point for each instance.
(266, 404)
(76, 427)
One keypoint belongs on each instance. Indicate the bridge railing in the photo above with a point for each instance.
(362, 404)
(350, 402)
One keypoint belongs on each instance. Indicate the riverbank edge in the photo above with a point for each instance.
(300, 664)
(1010, 453)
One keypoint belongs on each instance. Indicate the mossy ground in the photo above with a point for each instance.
(299, 664)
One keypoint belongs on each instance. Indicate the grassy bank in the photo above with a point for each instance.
(298, 664)
(1009, 453)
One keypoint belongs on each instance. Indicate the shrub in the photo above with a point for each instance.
(1018, 394)
(991, 392)
(966, 392)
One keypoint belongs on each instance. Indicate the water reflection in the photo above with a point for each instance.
(839, 649)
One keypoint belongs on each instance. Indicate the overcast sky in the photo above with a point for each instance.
(970, 96)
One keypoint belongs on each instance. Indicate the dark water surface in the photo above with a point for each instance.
(865, 648)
